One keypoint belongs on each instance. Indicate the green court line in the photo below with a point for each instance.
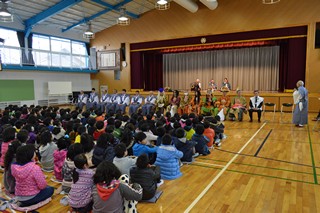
(265, 167)
(261, 175)
(312, 158)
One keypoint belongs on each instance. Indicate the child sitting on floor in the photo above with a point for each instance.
(185, 146)
(201, 146)
(46, 149)
(68, 166)
(141, 146)
(108, 193)
(10, 158)
(148, 176)
(80, 197)
(168, 159)
(31, 186)
(122, 161)
(59, 156)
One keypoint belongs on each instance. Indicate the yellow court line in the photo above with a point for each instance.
(222, 171)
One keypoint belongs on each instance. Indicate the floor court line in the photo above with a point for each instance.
(211, 164)
(266, 158)
(263, 167)
(222, 171)
(256, 174)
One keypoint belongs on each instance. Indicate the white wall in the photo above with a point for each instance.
(80, 81)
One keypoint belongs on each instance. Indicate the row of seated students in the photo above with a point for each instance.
(209, 105)
(104, 163)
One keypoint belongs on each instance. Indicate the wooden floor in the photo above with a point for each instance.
(260, 167)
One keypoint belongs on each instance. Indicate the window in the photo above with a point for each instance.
(10, 51)
(78, 48)
(46, 51)
(60, 45)
(41, 42)
(10, 37)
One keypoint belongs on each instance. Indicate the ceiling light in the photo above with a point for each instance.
(270, 1)
(123, 19)
(89, 34)
(5, 15)
(162, 5)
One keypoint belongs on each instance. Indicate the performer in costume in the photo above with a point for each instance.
(82, 100)
(300, 114)
(238, 106)
(223, 102)
(112, 102)
(174, 103)
(161, 100)
(207, 106)
(149, 105)
(226, 83)
(103, 101)
(197, 95)
(93, 99)
(123, 102)
(256, 103)
(136, 102)
(185, 104)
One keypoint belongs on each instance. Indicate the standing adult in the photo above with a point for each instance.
(93, 99)
(149, 104)
(256, 103)
(300, 114)
(82, 100)
(196, 87)
(226, 83)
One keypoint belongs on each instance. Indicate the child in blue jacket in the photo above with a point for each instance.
(168, 159)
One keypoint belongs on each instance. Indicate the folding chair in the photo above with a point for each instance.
(286, 105)
(269, 104)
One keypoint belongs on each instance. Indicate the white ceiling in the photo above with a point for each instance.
(26, 9)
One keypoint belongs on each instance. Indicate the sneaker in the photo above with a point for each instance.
(218, 144)
(300, 125)
(195, 155)
(160, 183)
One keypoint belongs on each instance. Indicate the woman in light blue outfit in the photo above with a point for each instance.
(300, 114)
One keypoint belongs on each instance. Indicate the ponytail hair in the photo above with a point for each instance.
(11, 153)
(79, 161)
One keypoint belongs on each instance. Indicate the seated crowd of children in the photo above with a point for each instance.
(89, 152)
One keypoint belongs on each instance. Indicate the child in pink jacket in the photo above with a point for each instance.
(59, 155)
(31, 186)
